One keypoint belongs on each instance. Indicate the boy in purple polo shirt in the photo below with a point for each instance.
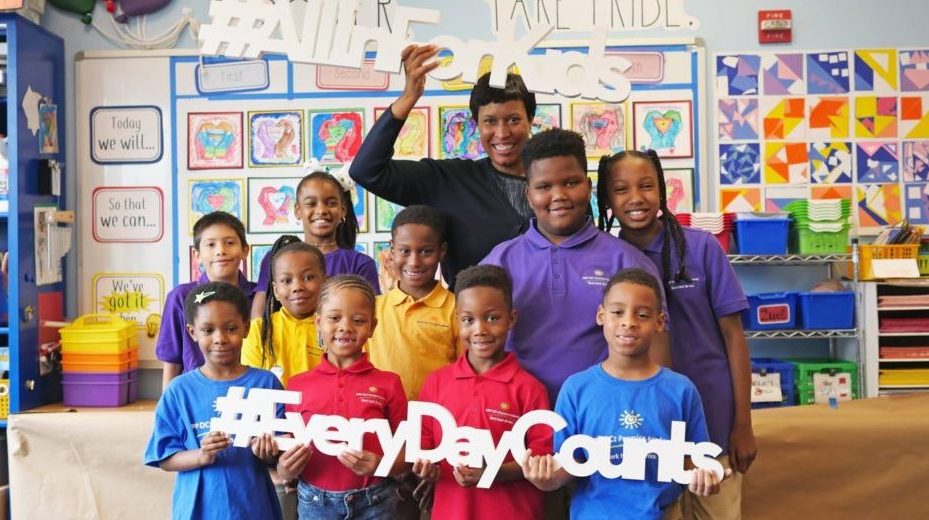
(705, 298)
(219, 239)
(561, 264)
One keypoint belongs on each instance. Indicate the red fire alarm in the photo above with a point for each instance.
(775, 26)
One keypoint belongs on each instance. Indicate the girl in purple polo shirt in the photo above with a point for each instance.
(705, 297)
(324, 206)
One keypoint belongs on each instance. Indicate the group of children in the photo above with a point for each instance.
(564, 313)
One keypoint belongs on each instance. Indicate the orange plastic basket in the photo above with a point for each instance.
(867, 253)
(121, 362)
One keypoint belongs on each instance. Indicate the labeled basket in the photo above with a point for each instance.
(770, 311)
(98, 334)
(785, 371)
(804, 369)
(868, 253)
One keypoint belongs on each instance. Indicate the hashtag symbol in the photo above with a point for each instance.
(246, 27)
(243, 418)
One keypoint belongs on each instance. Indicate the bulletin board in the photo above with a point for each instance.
(166, 146)
(840, 123)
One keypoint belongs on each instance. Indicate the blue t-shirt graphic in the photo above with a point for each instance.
(237, 485)
(597, 404)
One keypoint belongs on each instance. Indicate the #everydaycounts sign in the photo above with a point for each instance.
(244, 418)
(327, 34)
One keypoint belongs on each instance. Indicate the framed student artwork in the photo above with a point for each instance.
(547, 116)
(275, 139)
(214, 140)
(664, 126)
(256, 253)
(458, 137)
(209, 195)
(680, 189)
(197, 269)
(335, 135)
(414, 140)
(603, 126)
(360, 206)
(384, 213)
(271, 205)
(363, 248)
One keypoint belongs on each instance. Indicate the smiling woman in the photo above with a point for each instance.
(484, 200)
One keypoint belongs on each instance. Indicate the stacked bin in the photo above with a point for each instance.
(761, 233)
(100, 361)
(819, 226)
(717, 224)
(804, 369)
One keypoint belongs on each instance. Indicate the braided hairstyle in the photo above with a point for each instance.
(346, 281)
(347, 231)
(284, 244)
(668, 221)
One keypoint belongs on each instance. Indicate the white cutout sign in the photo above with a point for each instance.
(330, 36)
(246, 417)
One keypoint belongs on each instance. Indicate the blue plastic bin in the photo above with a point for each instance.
(827, 310)
(762, 236)
(786, 371)
(771, 311)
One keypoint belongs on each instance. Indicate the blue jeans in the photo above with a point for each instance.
(373, 502)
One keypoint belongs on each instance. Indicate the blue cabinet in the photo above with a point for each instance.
(34, 77)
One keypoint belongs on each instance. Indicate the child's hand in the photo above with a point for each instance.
(292, 461)
(540, 471)
(426, 470)
(264, 448)
(211, 445)
(704, 482)
(467, 476)
(362, 463)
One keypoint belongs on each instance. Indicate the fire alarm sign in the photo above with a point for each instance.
(775, 26)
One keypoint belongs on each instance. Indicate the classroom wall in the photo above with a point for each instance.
(725, 25)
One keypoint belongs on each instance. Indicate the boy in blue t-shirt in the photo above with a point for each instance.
(627, 395)
(214, 478)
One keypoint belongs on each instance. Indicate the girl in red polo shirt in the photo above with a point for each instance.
(345, 383)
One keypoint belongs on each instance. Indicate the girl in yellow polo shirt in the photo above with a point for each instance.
(284, 339)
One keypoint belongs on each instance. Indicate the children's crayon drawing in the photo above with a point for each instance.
(603, 126)
(209, 195)
(547, 116)
(458, 136)
(256, 254)
(385, 211)
(335, 136)
(271, 205)
(275, 138)
(414, 139)
(664, 126)
(680, 189)
(214, 140)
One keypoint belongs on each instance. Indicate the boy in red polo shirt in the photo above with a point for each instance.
(485, 388)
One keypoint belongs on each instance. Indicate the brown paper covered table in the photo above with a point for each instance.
(867, 459)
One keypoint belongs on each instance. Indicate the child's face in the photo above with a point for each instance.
(634, 193)
(630, 316)
(297, 279)
(559, 193)
(221, 253)
(415, 252)
(345, 322)
(319, 207)
(503, 128)
(219, 329)
(485, 321)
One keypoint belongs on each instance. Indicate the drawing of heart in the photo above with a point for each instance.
(663, 128)
(215, 140)
(276, 204)
(276, 137)
(212, 196)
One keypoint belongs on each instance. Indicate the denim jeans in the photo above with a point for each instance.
(373, 502)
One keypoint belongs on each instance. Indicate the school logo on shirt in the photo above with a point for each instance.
(372, 389)
(372, 396)
(676, 286)
(504, 406)
(502, 415)
(595, 277)
(630, 419)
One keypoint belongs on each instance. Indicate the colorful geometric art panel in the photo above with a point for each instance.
(733, 200)
(831, 162)
(827, 72)
(916, 200)
(828, 118)
(877, 162)
(739, 163)
(738, 119)
(823, 192)
(915, 161)
(782, 74)
(784, 118)
(878, 206)
(786, 163)
(737, 75)
(876, 70)
(875, 117)
(776, 197)
(914, 117)
(914, 70)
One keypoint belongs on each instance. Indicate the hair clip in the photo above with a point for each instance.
(344, 179)
(313, 166)
(202, 296)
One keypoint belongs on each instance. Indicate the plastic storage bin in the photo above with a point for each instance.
(867, 253)
(826, 310)
(785, 370)
(805, 368)
(762, 236)
(98, 334)
(98, 389)
(122, 362)
(806, 241)
(771, 311)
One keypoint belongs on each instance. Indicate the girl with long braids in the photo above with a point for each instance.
(324, 206)
(704, 301)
